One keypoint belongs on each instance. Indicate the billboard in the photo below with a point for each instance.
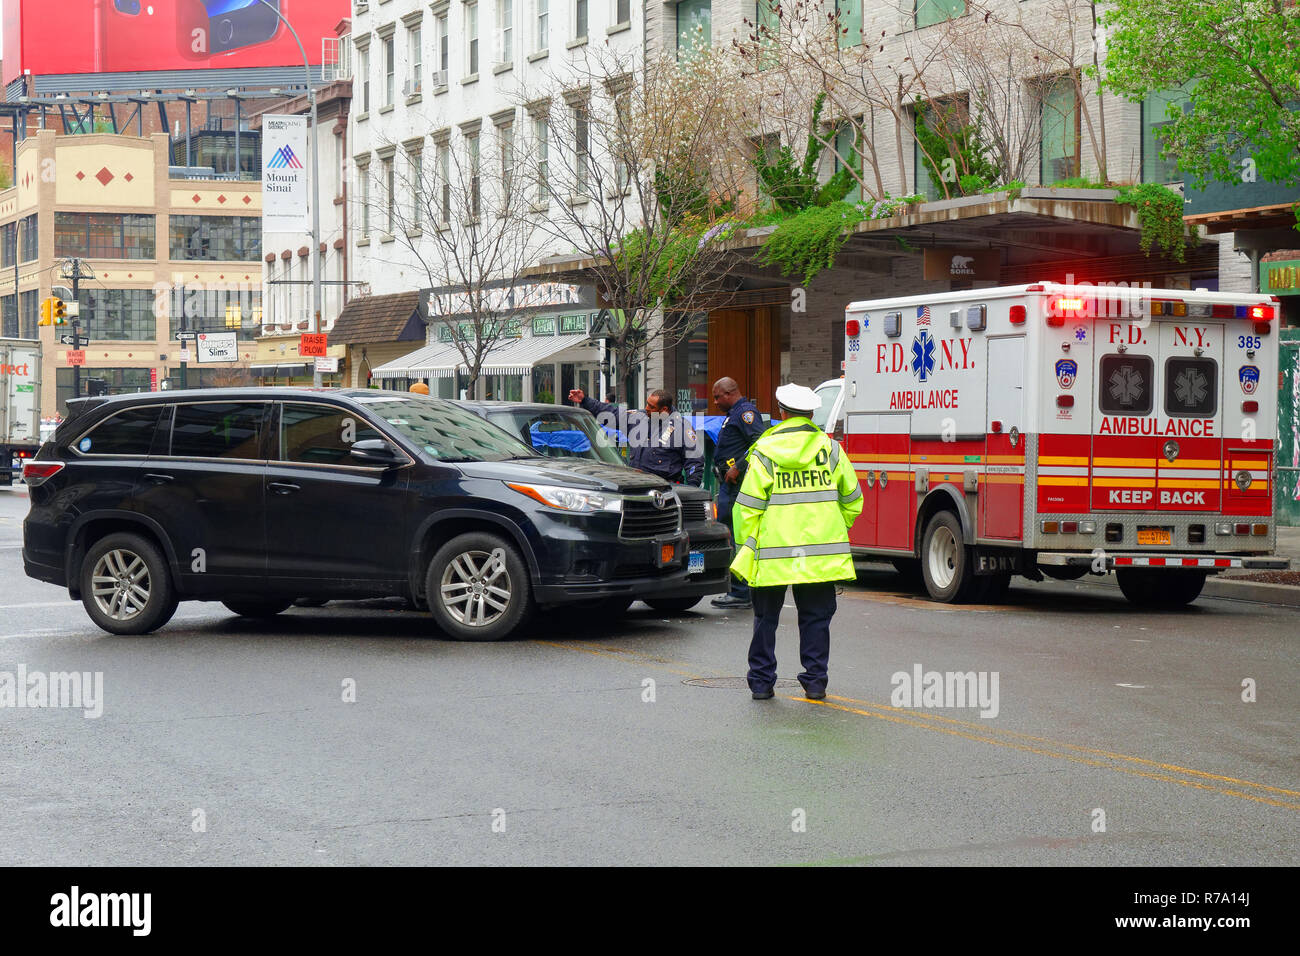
(118, 36)
(284, 178)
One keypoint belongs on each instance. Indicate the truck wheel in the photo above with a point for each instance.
(258, 607)
(1167, 589)
(477, 588)
(945, 560)
(125, 585)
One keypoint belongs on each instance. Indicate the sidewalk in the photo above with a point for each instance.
(1269, 587)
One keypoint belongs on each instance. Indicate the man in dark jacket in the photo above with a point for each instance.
(659, 440)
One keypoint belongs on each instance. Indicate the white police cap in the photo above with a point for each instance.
(798, 398)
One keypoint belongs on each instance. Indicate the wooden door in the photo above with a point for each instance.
(745, 344)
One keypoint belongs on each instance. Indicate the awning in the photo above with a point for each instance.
(513, 357)
(295, 368)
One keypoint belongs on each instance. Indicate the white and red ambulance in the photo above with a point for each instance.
(1061, 430)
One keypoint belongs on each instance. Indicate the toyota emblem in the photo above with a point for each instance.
(661, 499)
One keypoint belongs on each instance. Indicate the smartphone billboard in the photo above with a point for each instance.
(53, 37)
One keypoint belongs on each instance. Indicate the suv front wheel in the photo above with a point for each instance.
(125, 585)
(477, 588)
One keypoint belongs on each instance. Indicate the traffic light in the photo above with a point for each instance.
(53, 312)
(60, 312)
(47, 312)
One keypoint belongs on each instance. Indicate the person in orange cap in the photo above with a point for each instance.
(419, 388)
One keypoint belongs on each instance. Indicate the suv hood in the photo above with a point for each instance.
(567, 472)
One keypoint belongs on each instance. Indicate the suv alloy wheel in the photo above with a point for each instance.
(125, 585)
(478, 587)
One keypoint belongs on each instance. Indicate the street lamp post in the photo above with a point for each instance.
(314, 148)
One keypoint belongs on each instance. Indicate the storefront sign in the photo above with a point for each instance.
(963, 264)
(1281, 277)
(542, 295)
(330, 364)
(217, 347)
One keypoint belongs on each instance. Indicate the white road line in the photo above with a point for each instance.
(66, 602)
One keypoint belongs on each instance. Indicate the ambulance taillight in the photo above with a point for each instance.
(852, 329)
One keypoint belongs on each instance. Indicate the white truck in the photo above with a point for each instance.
(20, 405)
(1058, 430)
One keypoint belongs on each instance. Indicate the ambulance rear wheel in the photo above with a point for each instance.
(1147, 588)
(945, 560)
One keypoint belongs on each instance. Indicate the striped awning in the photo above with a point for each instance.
(510, 357)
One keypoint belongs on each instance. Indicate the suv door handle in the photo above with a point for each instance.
(158, 479)
(284, 487)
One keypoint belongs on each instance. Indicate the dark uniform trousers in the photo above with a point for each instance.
(816, 604)
(726, 500)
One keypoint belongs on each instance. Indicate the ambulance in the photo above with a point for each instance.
(1063, 430)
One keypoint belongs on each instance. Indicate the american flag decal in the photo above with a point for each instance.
(923, 315)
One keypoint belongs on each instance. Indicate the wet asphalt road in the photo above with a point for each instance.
(548, 749)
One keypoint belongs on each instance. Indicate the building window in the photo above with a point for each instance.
(444, 184)
(444, 53)
(415, 159)
(31, 314)
(622, 12)
(946, 118)
(8, 317)
(1059, 135)
(471, 39)
(1155, 119)
(933, 11)
(542, 138)
(622, 141)
(506, 141)
(581, 148)
(103, 236)
(390, 69)
(472, 151)
(505, 31)
(363, 67)
(541, 16)
(850, 21)
(415, 44)
(8, 245)
(390, 198)
(30, 238)
(848, 152)
(118, 314)
(580, 19)
(694, 27)
(363, 195)
(233, 309)
(216, 238)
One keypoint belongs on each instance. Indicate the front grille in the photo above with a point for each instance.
(693, 511)
(641, 519)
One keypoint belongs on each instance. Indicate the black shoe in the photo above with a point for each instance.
(766, 694)
(731, 601)
(813, 693)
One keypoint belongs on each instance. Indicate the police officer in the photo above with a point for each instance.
(792, 517)
(743, 426)
(663, 443)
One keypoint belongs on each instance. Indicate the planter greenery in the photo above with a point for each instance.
(1160, 213)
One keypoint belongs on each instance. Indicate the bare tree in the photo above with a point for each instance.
(641, 168)
(456, 209)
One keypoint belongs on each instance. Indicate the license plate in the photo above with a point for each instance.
(1154, 536)
(697, 562)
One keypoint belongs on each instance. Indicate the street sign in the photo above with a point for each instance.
(186, 335)
(313, 345)
(76, 356)
(67, 340)
(217, 347)
(327, 364)
(184, 356)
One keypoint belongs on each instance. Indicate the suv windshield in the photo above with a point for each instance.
(560, 434)
(446, 432)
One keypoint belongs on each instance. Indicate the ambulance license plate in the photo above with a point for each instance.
(697, 562)
(1155, 536)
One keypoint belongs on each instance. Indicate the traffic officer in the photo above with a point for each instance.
(662, 442)
(799, 498)
(743, 426)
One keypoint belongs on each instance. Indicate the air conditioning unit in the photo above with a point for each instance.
(439, 78)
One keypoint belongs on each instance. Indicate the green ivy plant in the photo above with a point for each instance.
(793, 186)
(1160, 213)
(808, 242)
(945, 137)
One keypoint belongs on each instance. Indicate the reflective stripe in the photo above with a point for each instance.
(802, 497)
(803, 551)
(835, 455)
(750, 501)
(750, 543)
(854, 495)
(764, 460)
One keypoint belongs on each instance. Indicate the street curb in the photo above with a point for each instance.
(1261, 592)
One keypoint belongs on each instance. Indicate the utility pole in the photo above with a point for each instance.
(73, 271)
(313, 146)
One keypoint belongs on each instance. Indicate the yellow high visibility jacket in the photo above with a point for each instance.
(792, 515)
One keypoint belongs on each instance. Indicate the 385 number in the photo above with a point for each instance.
(1248, 342)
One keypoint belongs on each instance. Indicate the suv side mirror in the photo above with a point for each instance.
(376, 451)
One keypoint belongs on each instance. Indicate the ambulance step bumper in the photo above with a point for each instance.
(1210, 562)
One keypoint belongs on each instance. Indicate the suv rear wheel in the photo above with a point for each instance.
(125, 585)
(477, 587)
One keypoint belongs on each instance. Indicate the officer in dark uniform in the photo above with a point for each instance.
(670, 448)
(744, 425)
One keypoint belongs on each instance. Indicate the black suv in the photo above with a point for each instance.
(565, 431)
(257, 497)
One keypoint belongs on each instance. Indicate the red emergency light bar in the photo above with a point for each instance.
(1261, 312)
(852, 328)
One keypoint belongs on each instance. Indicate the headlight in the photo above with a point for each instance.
(711, 511)
(569, 499)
